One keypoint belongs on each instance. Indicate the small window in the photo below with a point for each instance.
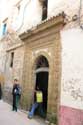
(12, 58)
(44, 11)
(4, 28)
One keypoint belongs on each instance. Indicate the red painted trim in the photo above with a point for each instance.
(70, 116)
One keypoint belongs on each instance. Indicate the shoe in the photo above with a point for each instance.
(30, 117)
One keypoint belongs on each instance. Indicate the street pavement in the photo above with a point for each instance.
(9, 117)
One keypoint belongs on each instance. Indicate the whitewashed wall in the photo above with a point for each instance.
(31, 16)
(72, 68)
(70, 7)
(33, 12)
(28, 16)
(2, 56)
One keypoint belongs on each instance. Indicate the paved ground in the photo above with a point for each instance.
(9, 117)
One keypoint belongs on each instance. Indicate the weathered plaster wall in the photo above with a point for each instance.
(70, 7)
(30, 12)
(72, 76)
(28, 16)
(25, 19)
(72, 68)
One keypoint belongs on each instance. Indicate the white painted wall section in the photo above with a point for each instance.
(29, 15)
(72, 68)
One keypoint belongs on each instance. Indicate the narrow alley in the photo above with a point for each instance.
(8, 117)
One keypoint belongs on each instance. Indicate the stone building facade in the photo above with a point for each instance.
(60, 52)
(29, 49)
(43, 42)
(13, 51)
(36, 52)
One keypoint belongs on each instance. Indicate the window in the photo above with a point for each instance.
(44, 11)
(4, 28)
(12, 58)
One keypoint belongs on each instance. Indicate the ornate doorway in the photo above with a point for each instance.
(42, 75)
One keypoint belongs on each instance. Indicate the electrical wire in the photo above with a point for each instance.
(80, 8)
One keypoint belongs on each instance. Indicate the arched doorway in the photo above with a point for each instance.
(42, 75)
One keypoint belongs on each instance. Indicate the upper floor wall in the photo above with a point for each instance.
(25, 14)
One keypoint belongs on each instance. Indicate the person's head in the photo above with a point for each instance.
(15, 81)
(37, 88)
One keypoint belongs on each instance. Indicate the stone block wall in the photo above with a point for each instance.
(13, 72)
(47, 44)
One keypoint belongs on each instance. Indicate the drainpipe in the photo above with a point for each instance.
(80, 9)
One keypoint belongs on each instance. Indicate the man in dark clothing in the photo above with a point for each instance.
(16, 95)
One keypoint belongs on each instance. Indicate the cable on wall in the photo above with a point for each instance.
(23, 15)
(80, 9)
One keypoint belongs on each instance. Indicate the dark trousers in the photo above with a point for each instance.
(0, 94)
(15, 102)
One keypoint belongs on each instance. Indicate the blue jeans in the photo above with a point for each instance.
(34, 107)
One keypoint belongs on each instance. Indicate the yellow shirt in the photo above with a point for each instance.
(39, 96)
